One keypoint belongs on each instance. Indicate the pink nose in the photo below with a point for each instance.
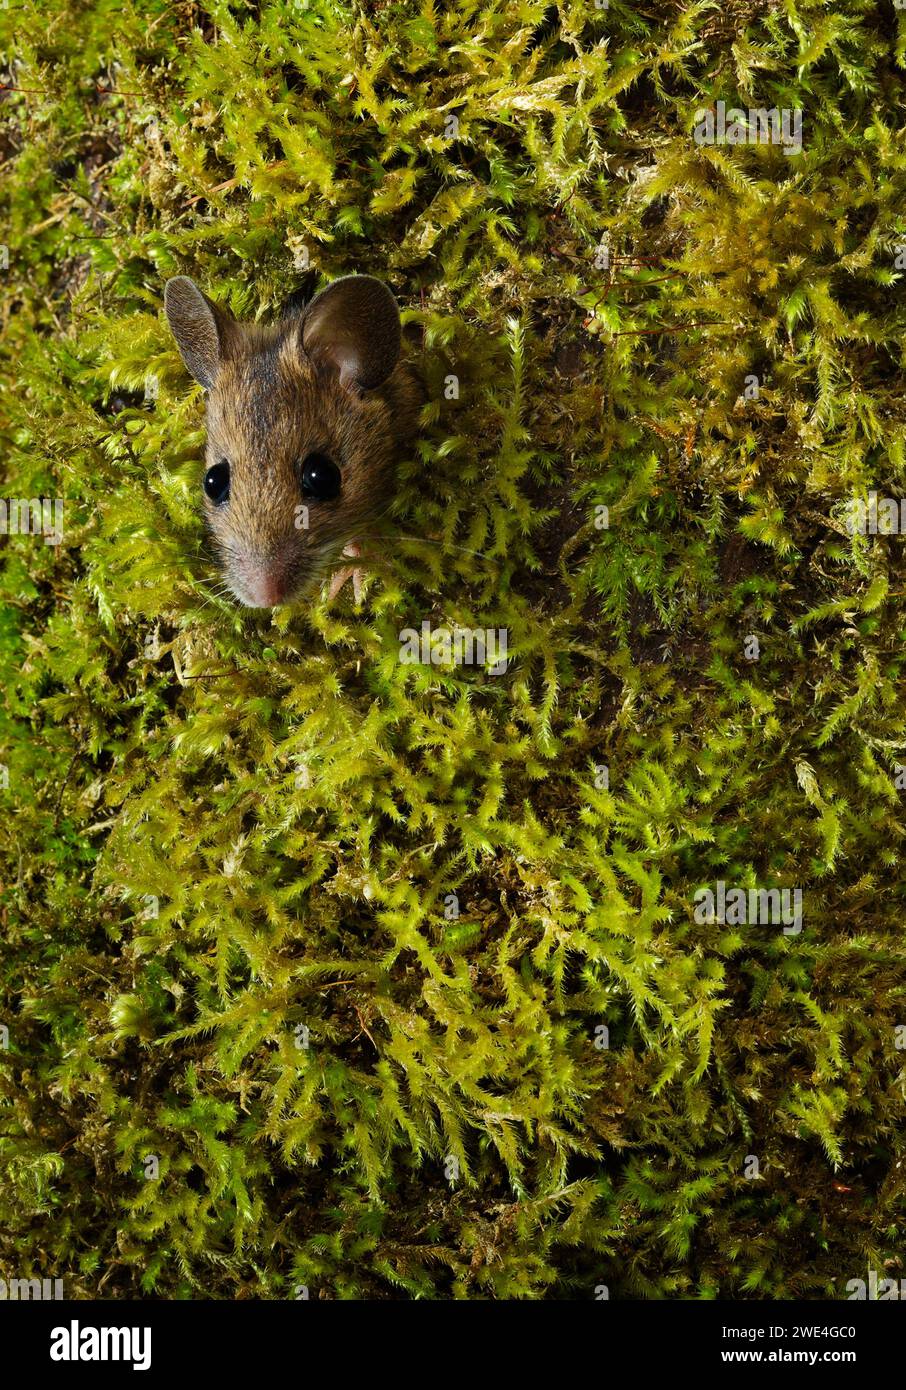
(268, 590)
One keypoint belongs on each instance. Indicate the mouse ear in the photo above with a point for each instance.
(354, 326)
(199, 326)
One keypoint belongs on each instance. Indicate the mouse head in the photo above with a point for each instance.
(303, 421)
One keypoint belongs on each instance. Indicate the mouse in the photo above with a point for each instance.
(306, 417)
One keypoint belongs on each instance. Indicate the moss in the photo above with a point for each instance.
(231, 940)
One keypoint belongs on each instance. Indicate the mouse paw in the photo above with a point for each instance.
(354, 572)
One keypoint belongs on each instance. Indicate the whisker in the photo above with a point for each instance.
(420, 540)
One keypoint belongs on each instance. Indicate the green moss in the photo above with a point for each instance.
(230, 940)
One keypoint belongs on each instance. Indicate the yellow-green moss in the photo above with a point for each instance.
(230, 835)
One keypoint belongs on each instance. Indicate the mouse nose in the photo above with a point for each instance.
(264, 584)
(263, 578)
(269, 588)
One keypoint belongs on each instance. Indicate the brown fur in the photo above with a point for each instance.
(270, 404)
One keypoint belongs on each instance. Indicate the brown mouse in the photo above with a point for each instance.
(305, 420)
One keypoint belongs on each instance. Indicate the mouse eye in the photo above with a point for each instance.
(217, 483)
(320, 478)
